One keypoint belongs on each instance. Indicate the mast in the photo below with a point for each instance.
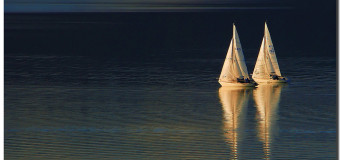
(271, 52)
(236, 69)
(267, 58)
(239, 55)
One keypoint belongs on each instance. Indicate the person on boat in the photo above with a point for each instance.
(240, 79)
(275, 77)
(247, 80)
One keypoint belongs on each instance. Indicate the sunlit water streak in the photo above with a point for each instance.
(267, 97)
(81, 108)
(234, 102)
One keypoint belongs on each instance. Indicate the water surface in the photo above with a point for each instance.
(79, 107)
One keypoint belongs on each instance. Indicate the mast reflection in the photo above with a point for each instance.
(234, 102)
(267, 97)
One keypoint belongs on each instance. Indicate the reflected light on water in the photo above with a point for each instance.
(234, 102)
(76, 107)
(267, 97)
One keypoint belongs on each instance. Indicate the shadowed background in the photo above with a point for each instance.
(153, 28)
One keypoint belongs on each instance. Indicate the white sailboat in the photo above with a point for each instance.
(267, 69)
(234, 71)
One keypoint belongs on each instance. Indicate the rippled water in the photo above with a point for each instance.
(75, 107)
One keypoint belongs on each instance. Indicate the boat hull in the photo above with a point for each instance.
(262, 80)
(233, 84)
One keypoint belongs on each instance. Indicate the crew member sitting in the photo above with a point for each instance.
(247, 80)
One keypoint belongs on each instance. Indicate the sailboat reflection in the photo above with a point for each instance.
(234, 102)
(267, 97)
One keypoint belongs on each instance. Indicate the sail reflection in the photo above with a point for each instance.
(267, 97)
(234, 102)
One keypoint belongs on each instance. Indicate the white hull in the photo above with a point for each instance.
(262, 80)
(236, 84)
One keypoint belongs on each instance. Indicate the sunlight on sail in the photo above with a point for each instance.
(267, 68)
(234, 101)
(267, 98)
(234, 71)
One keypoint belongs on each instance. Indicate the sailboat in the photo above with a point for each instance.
(267, 69)
(234, 71)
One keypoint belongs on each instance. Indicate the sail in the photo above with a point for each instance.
(260, 70)
(226, 73)
(268, 62)
(234, 65)
(271, 52)
(239, 54)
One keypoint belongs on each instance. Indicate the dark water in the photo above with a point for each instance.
(163, 105)
(79, 108)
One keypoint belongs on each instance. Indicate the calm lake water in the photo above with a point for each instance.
(72, 107)
(143, 86)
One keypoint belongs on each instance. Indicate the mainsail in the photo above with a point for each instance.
(271, 51)
(239, 54)
(266, 63)
(234, 65)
